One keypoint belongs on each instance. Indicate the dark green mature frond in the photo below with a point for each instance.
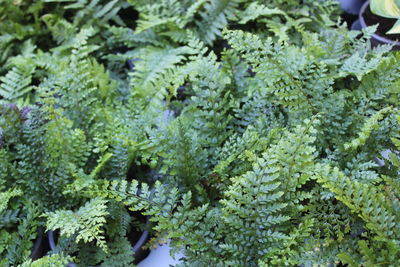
(184, 159)
(287, 71)
(96, 10)
(252, 207)
(19, 243)
(172, 18)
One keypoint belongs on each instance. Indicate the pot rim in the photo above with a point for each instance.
(375, 36)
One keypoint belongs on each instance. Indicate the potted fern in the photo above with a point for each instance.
(21, 230)
(256, 169)
(64, 136)
(51, 158)
(385, 13)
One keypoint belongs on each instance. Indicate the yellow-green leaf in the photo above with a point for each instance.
(395, 29)
(385, 8)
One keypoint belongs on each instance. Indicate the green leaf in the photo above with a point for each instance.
(347, 259)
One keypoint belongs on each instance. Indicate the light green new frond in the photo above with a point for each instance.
(16, 83)
(291, 251)
(215, 17)
(127, 36)
(157, 75)
(160, 201)
(164, 15)
(151, 62)
(367, 201)
(259, 204)
(370, 124)
(388, 254)
(148, 22)
(85, 224)
(120, 254)
(184, 157)
(79, 43)
(374, 87)
(193, 9)
(61, 29)
(6, 47)
(6, 196)
(55, 260)
(235, 155)
(360, 65)
(256, 10)
(20, 244)
(173, 17)
(378, 207)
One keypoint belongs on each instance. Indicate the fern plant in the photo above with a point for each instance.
(181, 222)
(246, 132)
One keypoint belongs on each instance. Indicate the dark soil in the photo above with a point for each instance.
(349, 18)
(384, 26)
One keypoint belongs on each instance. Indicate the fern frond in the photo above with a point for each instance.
(378, 213)
(84, 224)
(369, 125)
(215, 17)
(55, 260)
(6, 196)
(16, 83)
(359, 65)
(256, 10)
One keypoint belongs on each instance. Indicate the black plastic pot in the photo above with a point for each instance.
(139, 252)
(351, 6)
(376, 39)
(52, 244)
(356, 26)
(39, 248)
(351, 10)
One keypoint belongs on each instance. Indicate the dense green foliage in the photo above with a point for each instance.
(248, 133)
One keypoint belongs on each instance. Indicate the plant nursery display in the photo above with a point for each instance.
(241, 133)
